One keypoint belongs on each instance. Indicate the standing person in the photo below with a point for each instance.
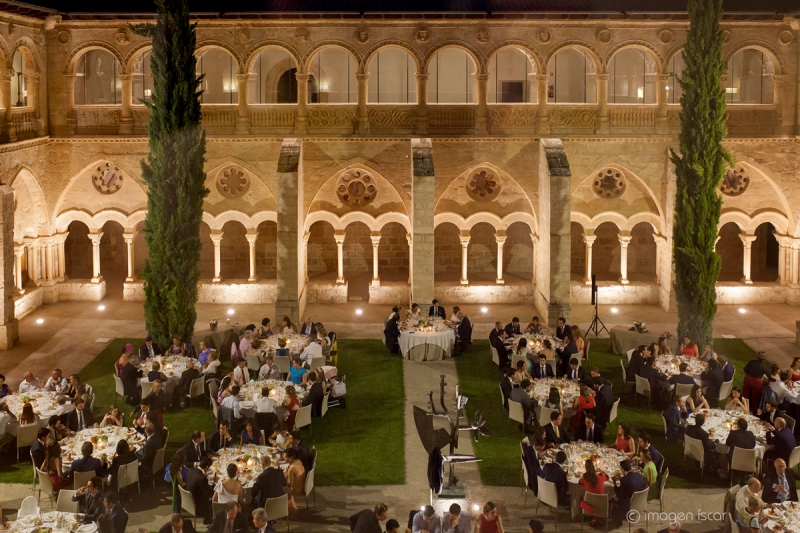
(392, 334)
(114, 510)
(753, 387)
(368, 520)
(295, 477)
(489, 521)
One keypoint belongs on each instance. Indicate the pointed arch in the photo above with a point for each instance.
(34, 219)
(29, 51)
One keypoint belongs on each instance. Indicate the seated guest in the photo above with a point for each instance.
(683, 378)
(712, 379)
(637, 360)
(604, 398)
(426, 521)
(87, 463)
(496, 338)
(753, 388)
(184, 386)
(123, 360)
(553, 400)
(548, 350)
(232, 402)
(29, 384)
(645, 443)
(195, 449)
(281, 350)
(177, 347)
(590, 430)
(308, 327)
(522, 348)
(392, 334)
(696, 431)
(794, 370)
(576, 372)
(696, 401)
(368, 521)
(265, 330)
(455, 318)
(149, 349)
(740, 437)
(313, 350)
(56, 382)
(286, 327)
(436, 310)
(727, 368)
(675, 421)
(513, 329)
(624, 487)
(315, 395)
(74, 383)
(522, 395)
(580, 342)
(734, 401)
(114, 513)
(782, 441)
(771, 412)
(395, 313)
(156, 373)
(212, 367)
(783, 388)
(649, 471)
(554, 433)
(464, 330)
(28, 416)
(269, 370)
(269, 484)
(91, 498)
(251, 434)
(158, 401)
(688, 348)
(298, 374)
(178, 524)
(454, 521)
(543, 370)
(221, 438)
(562, 330)
(415, 313)
(140, 421)
(197, 484)
(265, 404)
(489, 520)
(241, 375)
(657, 381)
(566, 353)
(147, 453)
(130, 381)
(521, 372)
(533, 327)
(554, 473)
(204, 352)
(123, 455)
(780, 486)
(246, 343)
(581, 404)
(594, 482)
(57, 428)
(81, 418)
(229, 515)
(767, 395)
(506, 385)
(625, 442)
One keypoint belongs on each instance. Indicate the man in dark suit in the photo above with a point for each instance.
(315, 395)
(636, 362)
(771, 412)
(269, 484)
(464, 331)
(505, 386)
(147, 453)
(543, 370)
(130, 381)
(590, 430)
(727, 368)
(780, 486)
(496, 338)
(437, 310)
(741, 437)
(712, 379)
(195, 449)
(522, 396)
(177, 524)
(562, 330)
(555, 434)
(182, 389)
(38, 449)
(149, 349)
(624, 488)
(197, 484)
(114, 510)
(392, 333)
(229, 520)
(81, 418)
(87, 463)
(368, 521)
(645, 443)
(675, 422)
(696, 431)
(221, 438)
(92, 499)
(565, 354)
(657, 380)
(782, 440)
(577, 372)
(513, 328)
(309, 327)
(554, 473)
(683, 378)
(604, 398)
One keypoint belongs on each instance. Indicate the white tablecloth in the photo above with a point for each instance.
(568, 389)
(783, 518)
(45, 405)
(55, 521)
(106, 439)
(248, 459)
(443, 339)
(669, 365)
(718, 424)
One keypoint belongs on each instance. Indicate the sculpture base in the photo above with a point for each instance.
(458, 491)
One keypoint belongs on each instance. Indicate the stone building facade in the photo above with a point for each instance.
(395, 157)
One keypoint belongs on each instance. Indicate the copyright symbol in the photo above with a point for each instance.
(633, 516)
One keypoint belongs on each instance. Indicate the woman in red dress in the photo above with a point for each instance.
(489, 521)
(584, 401)
(625, 442)
(292, 404)
(689, 349)
(794, 370)
(594, 482)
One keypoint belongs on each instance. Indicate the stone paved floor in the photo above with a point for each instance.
(69, 330)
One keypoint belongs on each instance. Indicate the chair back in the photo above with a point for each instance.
(544, 414)
(217, 506)
(213, 388)
(29, 507)
(732, 524)
(81, 479)
(642, 386)
(662, 483)
(325, 403)
(119, 388)
(26, 435)
(495, 355)
(277, 507)
(158, 460)
(515, 411)
(128, 475)
(730, 496)
(666, 429)
(147, 386)
(284, 363)
(214, 407)
(317, 362)
(794, 458)
(187, 501)
(226, 414)
(197, 388)
(599, 503)
(790, 422)
(743, 460)
(639, 500)
(624, 372)
(502, 397)
(630, 353)
(65, 503)
(547, 493)
(45, 483)
(253, 362)
(309, 482)
(694, 449)
(516, 358)
(303, 417)
(725, 390)
(614, 407)
(683, 389)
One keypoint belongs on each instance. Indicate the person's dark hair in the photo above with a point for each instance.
(597, 380)
(525, 383)
(232, 470)
(626, 430)
(123, 350)
(42, 433)
(699, 420)
(196, 434)
(695, 389)
(489, 507)
(784, 375)
(561, 457)
(429, 511)
(741, 423)
(265, 392)
(683, 367)
(591, 416)
(123, 448)
(381, 508)
(590, 475)
(264, 321)
(641, 348)
(542, 356)
(562, 319)
(434, 301)
(554, 397)
(224, 423)
(625, 465)
(292, 454)
(554, 415)
(536, 526)
(205, 462)
(145, 402)
(774, 368)
(713, 363)
(645, 436)
(148, 339)
(53, 420)
(454, 509)
(509, 372)
(97, 482)
(392, 524)
(176, 463)
(515, 319)
(87, 448)
(312, 376)
(573, 361)
(235, 390)
(112, 497)
(231, 506)
(520, 365)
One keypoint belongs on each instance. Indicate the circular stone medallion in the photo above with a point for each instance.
(609, 183)
(356, 188)
(107, 179)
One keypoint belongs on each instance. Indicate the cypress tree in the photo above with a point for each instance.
(699, 170)
(174, 175)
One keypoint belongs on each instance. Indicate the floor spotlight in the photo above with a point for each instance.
(40, 320)
(742, 310)
(101, 307)
(359, 311)
(614, 310)
(230, 312)
(484, 310)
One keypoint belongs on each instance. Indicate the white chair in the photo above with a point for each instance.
(725, 390)
(303, 418)
(253, 363)
(643, 388)
(502, 398)
(317, 362)
(147, 386)
(744, 461)
(599, 503)
(309, 488)
(515, 412)
(65, 503)
(29, 507)
(630, 354)
(45, 485)
(214, 407)
(278, 508)
(516, 358)
(684, 389)
(639, 503)
(662, 483)
(548, 496)
(284, 363)
(26, 436)
(325, 403)
(729, 506)
(119, 388)
(544, 414)
(790, 422)
(694, 449)
(158, 461)
(128, 475)
(81, 479)
(624, 372)
(218, 506)
(188, 503)
(794, 459)
(495, 355)
(197, 388)
(734, 527)
(614, 407)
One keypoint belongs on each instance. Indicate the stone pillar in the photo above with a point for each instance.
(216, 238)
(662, 121)
(747, 241)
(72, 118)
(554, 182)
(31, 247)
(243, 119)
(304, 255)
(42, 249)
(252, 236)
(534, 244)
(464, 236)
(19, 251)
(500, 237)
(129, 240)
(49, 260)
(602, 103)
(777, 87)
(9, 135)
(375, 236)
(291, 264)
(588, 240)
(301, 119)
(482, 111)
(543, 122)
(9, 325)
(95, 238)
(783, 251)
(62, 267)
(32, 84)
(662, 254)
(624, 241)
(410, 259)
(338, 236)
(422, 204)
(422, 104)
(795, 274)
(126, 118)
(362, 115)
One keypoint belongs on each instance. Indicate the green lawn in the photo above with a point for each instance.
(369, 433)
(500, 454)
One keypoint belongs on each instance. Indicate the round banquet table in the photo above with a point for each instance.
(783, 518)
(295, 343)
(45, 405)
(106, 440)
(252, 391)
(719, 422)
(172, 366)
(54, 521)
(668, 364)
(540, 391)
(443, 339)
(248, 459)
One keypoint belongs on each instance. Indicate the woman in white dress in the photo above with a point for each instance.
(229, 490)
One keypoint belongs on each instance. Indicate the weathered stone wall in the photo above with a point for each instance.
(447, 250)
(78, 252)
(234, 252)
(321, 250)
(357, 250)
(113, 251)
(266, 250)
(393, 251)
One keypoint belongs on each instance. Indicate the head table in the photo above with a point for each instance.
(432, 331)
(104, 439)
(248, 460)
(53, 521)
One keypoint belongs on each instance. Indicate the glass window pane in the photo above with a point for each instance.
(332, 77)
(632, 78)
(142, 78)
(220, 85)
(674, 90)
(19, 91)
(97, 81)
(750, 78)
(272, 78)
(451, 78)
(572, 79)
(512, 77)
(392, 77)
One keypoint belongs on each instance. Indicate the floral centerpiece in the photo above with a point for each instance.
(212, 324)
(668, 335)
(639, 326)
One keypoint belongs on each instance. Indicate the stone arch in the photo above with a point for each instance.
(134, 53)
(311, 52)
(78, 251)
(98, 220)
(29, 51)
(515, 43)
(480, 64)
(518, 251)
(321, 253)
(765, 253)
(447, 250)
(674, 51)
(391, 43)
(646, 47)
(216, 223)
(113, 254)
(577, 45)
(357, 258)
(752, 200)
(606, 251)
(74, 54)
(234, 250)
(482, 252)
(763, 46)
(642, 253)
(257, 198)
(31, 218)
(394, 257)
(221, 45)
(267, 249)
(254, 50)
(731, 251)
(577, 252)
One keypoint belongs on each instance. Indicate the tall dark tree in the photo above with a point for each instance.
(174, 175)
(699, 169)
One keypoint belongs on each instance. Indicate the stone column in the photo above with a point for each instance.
(422, 204)
(42, 249)
(31, 247)
(62, 267)
(291, 265)
(662, 121)
(32, 84)
(129, 240)
(500, 237)
(126, 118)
(624, 241)
(9, 325)
(95, 238)
(338, 236)
(252, 236)
(19, 251)
(362, 115)
(542, 114)
(783, 250)
(301, 119)
(602, 103)
(243, 120)
(422, 104)
(304, 255)
(482, 111)
(375, 236)
(49, 260)
(588, 239)
(410, 259)
(795, 275)
(747, 241)
(216, 238)
(777, 87)
(662, 254)
(464, 236)
(72, 116)
(534, 244)
(9, 135)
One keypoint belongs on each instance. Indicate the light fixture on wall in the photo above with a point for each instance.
(148, 93)
(732, 90)
(640, 93)
(230, 87)
(323, 87)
